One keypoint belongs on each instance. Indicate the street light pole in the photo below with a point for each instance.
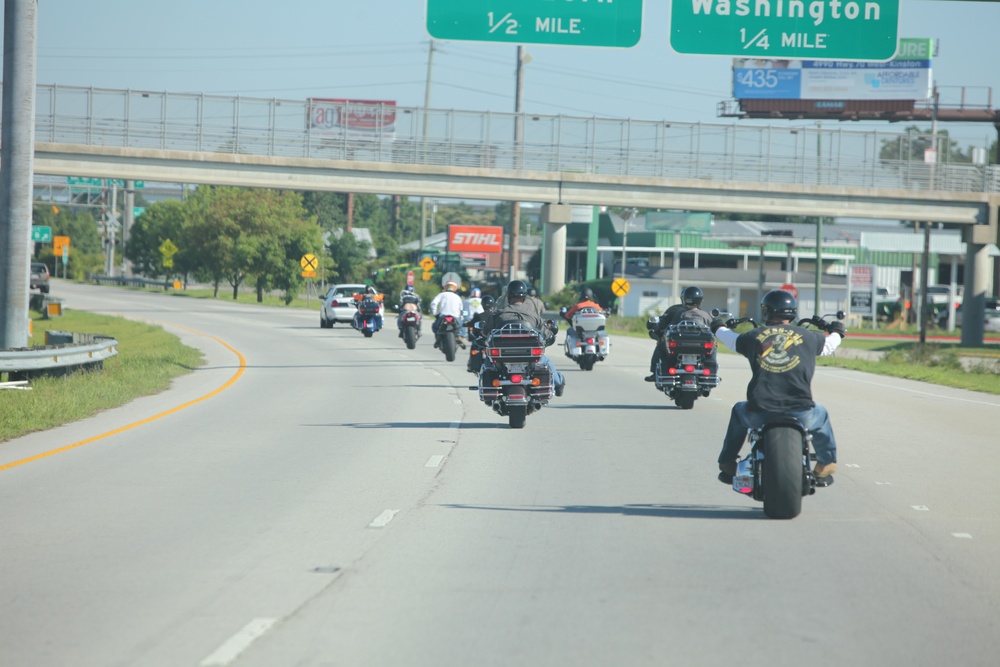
(427, 103)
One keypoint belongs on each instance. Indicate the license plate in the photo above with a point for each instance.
(517, 368)
(690, 358)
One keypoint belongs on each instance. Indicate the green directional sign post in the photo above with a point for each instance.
(41, 234)
(786, 29)
(567, 22)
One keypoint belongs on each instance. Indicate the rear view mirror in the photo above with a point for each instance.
(840, 315)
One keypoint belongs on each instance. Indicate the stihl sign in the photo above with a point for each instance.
(475, 238)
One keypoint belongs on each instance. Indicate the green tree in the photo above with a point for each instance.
(350, 257)
(911, 145)
(86, 245)
(164, 220)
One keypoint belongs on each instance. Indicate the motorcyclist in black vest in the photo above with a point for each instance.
(688, 309)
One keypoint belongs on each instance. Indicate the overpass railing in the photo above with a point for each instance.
(343, 130)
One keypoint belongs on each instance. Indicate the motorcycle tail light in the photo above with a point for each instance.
(671, 371)
(590, 341)
(706, 372)
(536, 351)
(689, 369)
(496, 383)
(494, 352)
(515, 379)
(672, 344)
(535, 382)
(474, 352)
(579, 344)
(709, 345)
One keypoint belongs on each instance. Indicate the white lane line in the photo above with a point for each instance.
(383, 519)
(434, 461)
(456, 401)
(883, 386)
(921, 508)
(962, 536)
(239, 642)
(883, 483)
(851, 465)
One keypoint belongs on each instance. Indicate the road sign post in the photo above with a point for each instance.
(564, 22)
(773, 29)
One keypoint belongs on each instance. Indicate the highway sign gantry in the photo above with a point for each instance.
(566, 22)
(786, 29)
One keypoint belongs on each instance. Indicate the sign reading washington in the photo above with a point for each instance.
(813, 29)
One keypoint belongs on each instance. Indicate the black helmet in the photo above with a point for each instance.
(532, 291)
(586, 294)
(692, 296)
(778, 305)
(488, 303)
(517, 289)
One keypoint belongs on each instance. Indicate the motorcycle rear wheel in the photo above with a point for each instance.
(367, 332)
(448, 345)
(782, 476)
(517, 415)
(410, 337)
(685, 400)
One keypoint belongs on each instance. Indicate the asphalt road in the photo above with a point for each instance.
(336, 500)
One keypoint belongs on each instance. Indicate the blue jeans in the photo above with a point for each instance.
(816, 421)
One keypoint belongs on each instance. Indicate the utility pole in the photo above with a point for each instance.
(515, 208)
(17, 156)
(427, 104)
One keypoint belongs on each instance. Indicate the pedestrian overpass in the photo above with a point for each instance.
(338, 145)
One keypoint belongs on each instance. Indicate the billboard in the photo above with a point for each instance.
(364, 116)
(905, 77)
(475, 238)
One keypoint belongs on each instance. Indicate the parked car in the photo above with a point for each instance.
(991, 321)
(339, 304)
(992, 306)
(40, 277)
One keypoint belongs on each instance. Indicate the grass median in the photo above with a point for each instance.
(148, 360)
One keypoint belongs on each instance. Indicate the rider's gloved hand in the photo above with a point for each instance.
(730, 323)
(652, 323)
(717, 324)
(837, 328)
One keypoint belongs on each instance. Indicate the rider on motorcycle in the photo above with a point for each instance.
(519, 308)
(783, 359)
(409, 302)
(688, 309)
(586, 301)
(369, 300)
(447, 302)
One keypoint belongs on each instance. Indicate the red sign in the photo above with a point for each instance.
(475, 238)
(367, 115)
(791, 289)
(409, 278)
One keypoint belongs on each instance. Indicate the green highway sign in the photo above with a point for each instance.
(99, 182)
(786, 29)
(41, 234)
(567, 22)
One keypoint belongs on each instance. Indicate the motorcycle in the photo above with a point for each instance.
(410, 321)
(689, 369)
(587, 342)
(777, 471)
(447, 338)
(368, 319)
(511, 380)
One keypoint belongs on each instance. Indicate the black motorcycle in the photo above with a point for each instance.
(447, 338)
(777, 470)
(689, 369)
(512, 381)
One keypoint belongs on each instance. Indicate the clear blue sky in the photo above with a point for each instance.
(377, 49)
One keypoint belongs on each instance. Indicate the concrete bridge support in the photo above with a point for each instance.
(977, 277)
(556, 217)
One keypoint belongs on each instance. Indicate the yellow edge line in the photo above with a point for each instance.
(229, 383)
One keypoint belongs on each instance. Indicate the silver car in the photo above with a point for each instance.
(339, 304)
(40, 277)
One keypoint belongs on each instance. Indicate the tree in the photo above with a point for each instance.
(350, 257)
(162, 221)
(86, 245)
(911, 146)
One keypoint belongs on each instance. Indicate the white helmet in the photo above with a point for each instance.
(451, 286)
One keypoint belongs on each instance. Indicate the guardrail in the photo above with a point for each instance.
(63, 353)
(129, 282)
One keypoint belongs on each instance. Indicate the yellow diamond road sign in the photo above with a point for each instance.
(427, 264)
(620, 287)
(309, 262)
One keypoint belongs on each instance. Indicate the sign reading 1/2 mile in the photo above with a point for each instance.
(567, 22)
(768, 29)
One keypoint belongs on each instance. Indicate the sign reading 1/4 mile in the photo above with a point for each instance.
(567, 22)
(768, 29)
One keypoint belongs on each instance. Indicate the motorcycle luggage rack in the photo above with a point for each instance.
(514, 342)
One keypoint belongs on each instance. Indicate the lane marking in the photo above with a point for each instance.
(921, 508)
(81, 443)
(456, 401)
(962, 536)
(434, 461)
(238, 643)
(383, 519)
(883, 483)
(883, 386)
(851, 465)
